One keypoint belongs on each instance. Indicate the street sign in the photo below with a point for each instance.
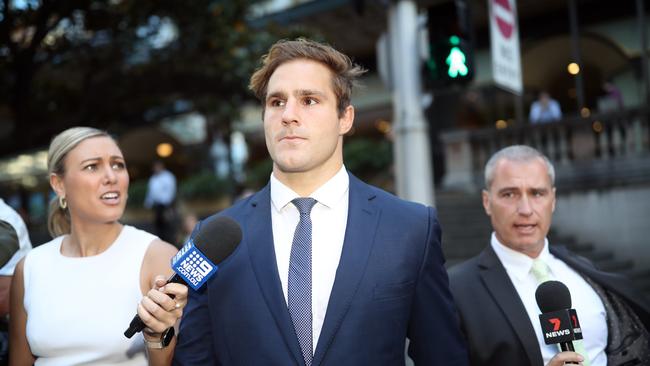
(504, 36)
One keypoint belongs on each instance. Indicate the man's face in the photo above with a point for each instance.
(302, 127)
(520, 203)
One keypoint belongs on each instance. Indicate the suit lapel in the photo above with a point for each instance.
(361, 226)
(262, 255)
(498, 283)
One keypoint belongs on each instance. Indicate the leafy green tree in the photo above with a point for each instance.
(121, 63)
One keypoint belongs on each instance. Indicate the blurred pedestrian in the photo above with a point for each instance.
(545, 109)
(161, 195)
(612, 100)
(73, 297)
(14, 244)
(187, 227)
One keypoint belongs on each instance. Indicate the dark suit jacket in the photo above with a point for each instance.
(493, 318)
(390, 284)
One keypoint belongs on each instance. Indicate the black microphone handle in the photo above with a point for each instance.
(137, 325)
(568, 346)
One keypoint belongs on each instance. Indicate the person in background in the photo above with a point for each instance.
(330, 270)
(612, 100)
(495, 291)
(545, 109)
(73, 297)
(187, 227)
(161, 194)
(14, 245)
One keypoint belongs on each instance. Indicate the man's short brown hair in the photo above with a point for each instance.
(344, 71)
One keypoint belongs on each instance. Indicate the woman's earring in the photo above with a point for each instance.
(63, 203)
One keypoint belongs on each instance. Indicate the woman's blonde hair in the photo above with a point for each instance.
(58, 218)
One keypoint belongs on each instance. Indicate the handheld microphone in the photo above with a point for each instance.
(197, 260)
(559, 322)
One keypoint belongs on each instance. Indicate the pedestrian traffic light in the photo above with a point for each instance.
(450, 61)
(450, 39)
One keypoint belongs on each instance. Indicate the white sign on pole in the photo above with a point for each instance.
(504, 35)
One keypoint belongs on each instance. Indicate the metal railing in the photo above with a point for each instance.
(601, 148)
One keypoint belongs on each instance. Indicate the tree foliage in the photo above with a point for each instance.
(119, 63)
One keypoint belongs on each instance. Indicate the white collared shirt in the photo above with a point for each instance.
(589, 307)
(161, 189)
(329, 220)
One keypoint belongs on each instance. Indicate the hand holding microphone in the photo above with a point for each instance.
(193, 265)
(566, 358)
(163, 305)
(559, 322)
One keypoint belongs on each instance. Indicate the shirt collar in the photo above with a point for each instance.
(516, 263)
(329, 194)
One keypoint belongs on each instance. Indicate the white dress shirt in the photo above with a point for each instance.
(161, 189)
(545, 114)
(589, 307)
(329, 220)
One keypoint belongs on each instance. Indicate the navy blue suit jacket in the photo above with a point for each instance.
(390, 284)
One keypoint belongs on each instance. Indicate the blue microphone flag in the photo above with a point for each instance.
(193, 266)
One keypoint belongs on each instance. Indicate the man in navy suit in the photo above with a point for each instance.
(375, 268)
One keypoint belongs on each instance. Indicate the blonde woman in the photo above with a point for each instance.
(73, 297)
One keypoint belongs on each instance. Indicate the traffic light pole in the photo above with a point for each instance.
(577, 54)
(411, 146)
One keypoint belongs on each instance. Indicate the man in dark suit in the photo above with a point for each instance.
(343, 284)
(495, 291)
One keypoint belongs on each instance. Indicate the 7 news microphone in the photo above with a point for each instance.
(197, 260)
(559, 322)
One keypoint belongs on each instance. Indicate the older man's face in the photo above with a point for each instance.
(520, 203)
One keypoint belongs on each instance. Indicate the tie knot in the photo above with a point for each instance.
(540, 270)
(304, 205)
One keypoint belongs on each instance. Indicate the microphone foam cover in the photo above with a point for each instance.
(217, 238)
(553, 296)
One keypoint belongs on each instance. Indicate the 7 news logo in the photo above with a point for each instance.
(560, 326)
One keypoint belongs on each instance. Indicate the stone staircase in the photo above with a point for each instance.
(606, 260)
(465, 226)
(466, 231)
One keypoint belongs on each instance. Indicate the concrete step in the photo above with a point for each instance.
(595, 256)
(455, 219)
(469, 237)
(614, 265)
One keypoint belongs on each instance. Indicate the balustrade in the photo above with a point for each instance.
(599, 145)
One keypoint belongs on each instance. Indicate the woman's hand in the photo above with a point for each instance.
(162, 306)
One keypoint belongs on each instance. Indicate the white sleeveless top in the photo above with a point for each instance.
(78, 308)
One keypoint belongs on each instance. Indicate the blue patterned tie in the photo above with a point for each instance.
(299, 288)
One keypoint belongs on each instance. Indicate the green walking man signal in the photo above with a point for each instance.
(450, 61)
(456, 59)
